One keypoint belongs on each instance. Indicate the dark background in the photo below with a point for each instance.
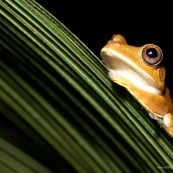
(141, 22)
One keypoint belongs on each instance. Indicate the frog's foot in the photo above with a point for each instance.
(168, 122)
(156, 117)
(170, 130)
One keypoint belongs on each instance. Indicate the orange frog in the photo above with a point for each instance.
(139, 69)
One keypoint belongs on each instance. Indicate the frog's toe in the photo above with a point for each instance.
(156, 117)
(168, 120)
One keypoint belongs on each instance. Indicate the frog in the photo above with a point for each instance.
(141, 71)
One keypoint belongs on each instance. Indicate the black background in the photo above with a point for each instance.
(140, 22)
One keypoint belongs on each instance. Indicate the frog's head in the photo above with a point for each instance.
(134, 66)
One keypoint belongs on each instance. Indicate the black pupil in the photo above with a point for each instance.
(151, 52)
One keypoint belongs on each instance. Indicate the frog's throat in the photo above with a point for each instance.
(123, 72)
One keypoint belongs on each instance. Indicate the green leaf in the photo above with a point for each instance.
(60, 111)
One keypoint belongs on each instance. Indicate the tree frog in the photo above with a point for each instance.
(140, 70)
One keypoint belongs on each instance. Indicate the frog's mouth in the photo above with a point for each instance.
(124, 72)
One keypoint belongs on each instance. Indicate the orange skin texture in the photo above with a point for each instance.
(159, 103)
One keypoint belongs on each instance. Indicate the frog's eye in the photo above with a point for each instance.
(152, 55)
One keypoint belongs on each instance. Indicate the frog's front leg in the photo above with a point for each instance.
(166, 120)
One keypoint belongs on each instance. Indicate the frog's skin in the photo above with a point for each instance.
(139, 69)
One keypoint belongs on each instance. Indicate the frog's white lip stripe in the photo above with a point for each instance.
(122, 69)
